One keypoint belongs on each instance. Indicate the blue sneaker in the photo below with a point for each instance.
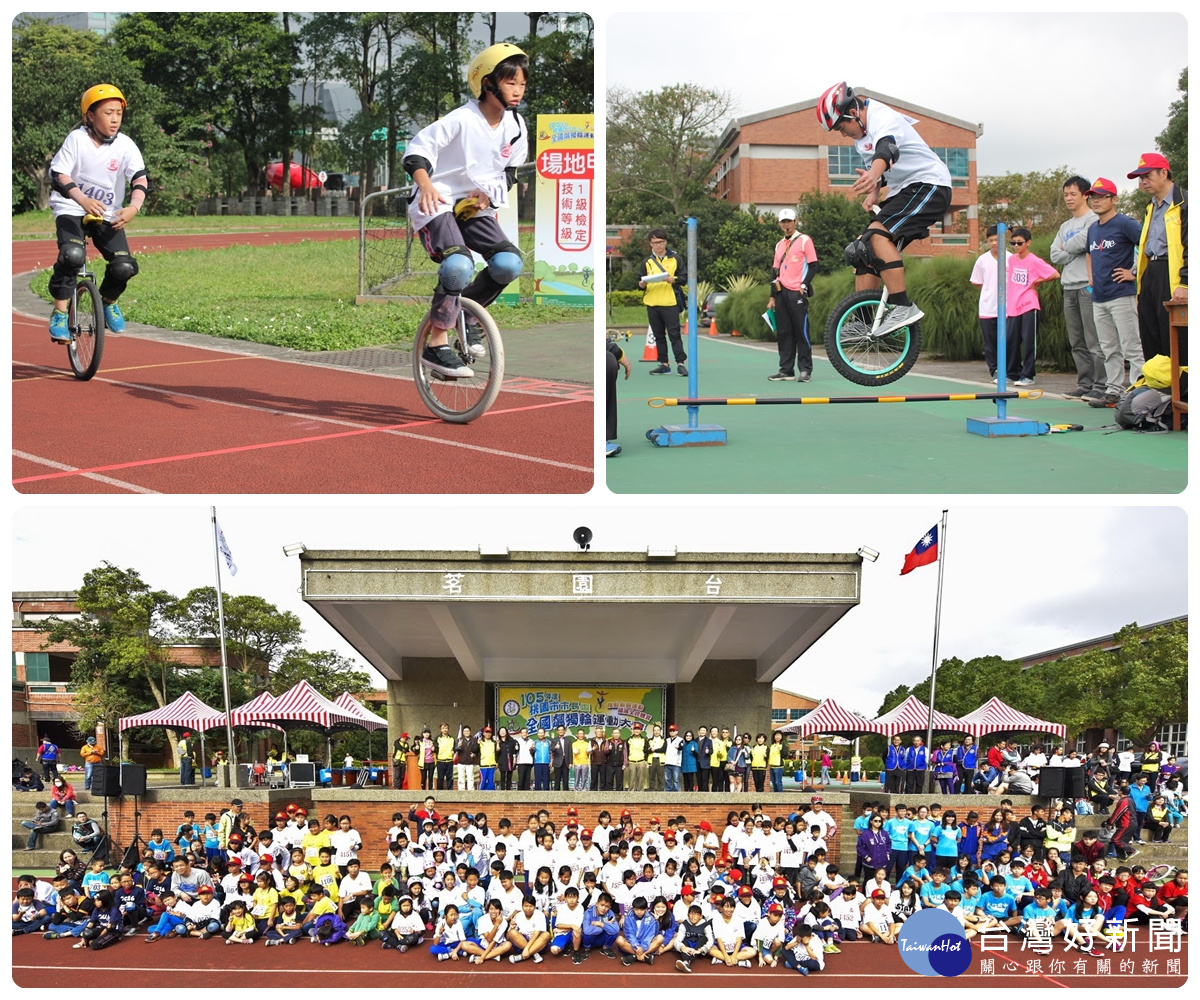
(60, 333)
(611, 449)
(113, 318)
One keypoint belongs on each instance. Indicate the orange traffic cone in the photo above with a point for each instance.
(845, 777)
(712, 327)
(650, 352)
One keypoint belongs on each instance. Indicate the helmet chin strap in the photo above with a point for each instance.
(97, 136)
(491, 88)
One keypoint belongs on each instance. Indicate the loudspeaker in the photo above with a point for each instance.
(302, 773)
(1052, 782)
(106, 780)
(1074, 783)
(133, 779)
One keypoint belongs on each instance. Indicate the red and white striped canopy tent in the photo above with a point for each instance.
(830, 719)
(370, 721)
(185, 712)
(252, 714)
(912, 716)
(993, 716)
(304, 707)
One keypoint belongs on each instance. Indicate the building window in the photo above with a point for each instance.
(798, 713)
(1173, 739)
(779, 715)
(37, 667)
(956, 161)
(842, 161)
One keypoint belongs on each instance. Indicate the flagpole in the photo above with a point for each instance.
(937, 627)
(224, 660)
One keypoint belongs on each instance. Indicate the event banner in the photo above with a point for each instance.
(564, 268)
(550, 707)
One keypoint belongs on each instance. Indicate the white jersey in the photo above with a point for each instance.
(916, 164)
(100, 173)
(467, 154)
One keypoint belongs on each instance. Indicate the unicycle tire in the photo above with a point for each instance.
(859, 357)
(86, 321)
(461, 400)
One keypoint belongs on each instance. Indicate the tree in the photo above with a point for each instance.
(257, 633)
(661, 147)
(1033, 199)
(1173, 140)
(330, 673)
(232, 69)
(123, 666)
(561, 70)
(831, 221)
(52, 65)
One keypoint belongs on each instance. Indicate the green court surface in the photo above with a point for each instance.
(871, 448)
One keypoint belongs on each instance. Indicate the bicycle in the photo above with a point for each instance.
(461, 400)
(85, 320)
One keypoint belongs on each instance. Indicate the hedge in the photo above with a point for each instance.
(942, 286)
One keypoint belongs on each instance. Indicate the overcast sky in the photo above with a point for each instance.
(1089, 89)
(1018, 579)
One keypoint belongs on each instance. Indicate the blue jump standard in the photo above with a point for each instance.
(1006, 427)
(681, 436)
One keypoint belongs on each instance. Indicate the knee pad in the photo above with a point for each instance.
(505, 266)
(72, 255)
(90, 932)
(121, 268)
(457, 270)
(858, 254)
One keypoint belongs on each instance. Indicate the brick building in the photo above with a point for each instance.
(42, 701)
(771, 158)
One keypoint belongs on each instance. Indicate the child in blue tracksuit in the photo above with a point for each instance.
(600, 925)
(638, 931)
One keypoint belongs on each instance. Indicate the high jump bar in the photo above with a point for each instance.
(660, 401)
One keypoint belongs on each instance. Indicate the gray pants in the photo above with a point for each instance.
(1117, 328)
(1084, 341)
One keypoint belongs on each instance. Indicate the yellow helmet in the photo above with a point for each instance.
(100, 92)
(488, 60)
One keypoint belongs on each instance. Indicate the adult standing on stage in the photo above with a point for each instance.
(918, 762)
(965, 758)
(560, 760)
(187, 759)
(893, 767)
(704, 749)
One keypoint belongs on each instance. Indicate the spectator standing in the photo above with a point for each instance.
(665, 270)
(92, 755)
(792, 271)
(1112, 240)
(1162, 254)
(615, 360)
(986, 276)
(1068, 252)
(48, 756)
(1026, 271)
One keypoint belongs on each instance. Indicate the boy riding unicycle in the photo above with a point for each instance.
(462, 166)
(87, 177)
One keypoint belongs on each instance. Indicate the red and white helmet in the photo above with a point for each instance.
(833, 105)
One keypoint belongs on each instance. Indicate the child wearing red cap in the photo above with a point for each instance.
(769, 936)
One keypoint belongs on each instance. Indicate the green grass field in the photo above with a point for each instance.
(299, 296)
(40, 225)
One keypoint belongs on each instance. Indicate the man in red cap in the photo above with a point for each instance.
(187, 760)
(1162, 254)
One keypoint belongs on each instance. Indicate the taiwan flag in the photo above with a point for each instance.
(923, 553)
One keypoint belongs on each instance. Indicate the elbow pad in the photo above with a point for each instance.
(510, 175)
(57, 185)
(414, 163)
(887, 150)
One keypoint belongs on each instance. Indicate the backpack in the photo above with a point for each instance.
(1144, 409)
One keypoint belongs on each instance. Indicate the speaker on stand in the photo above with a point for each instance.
(133, 782)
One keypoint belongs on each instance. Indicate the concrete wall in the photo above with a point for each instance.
(724, 692)
(433, 691)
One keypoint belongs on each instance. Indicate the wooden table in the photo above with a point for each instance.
(1178, 313)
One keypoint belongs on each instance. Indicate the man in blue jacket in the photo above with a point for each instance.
(917, 761)
(639, 934)
(893, 767)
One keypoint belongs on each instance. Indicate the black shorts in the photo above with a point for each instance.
(910, 212)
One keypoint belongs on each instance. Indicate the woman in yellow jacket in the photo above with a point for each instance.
(758, 761)
(775, 754)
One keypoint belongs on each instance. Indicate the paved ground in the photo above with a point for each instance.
(905, 448)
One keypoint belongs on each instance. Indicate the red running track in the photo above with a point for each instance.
(207, 965)
(170, 418)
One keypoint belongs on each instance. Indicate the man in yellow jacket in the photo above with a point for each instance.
(661, 273)
(1162, 254)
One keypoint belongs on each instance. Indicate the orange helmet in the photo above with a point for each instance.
(100, 92)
